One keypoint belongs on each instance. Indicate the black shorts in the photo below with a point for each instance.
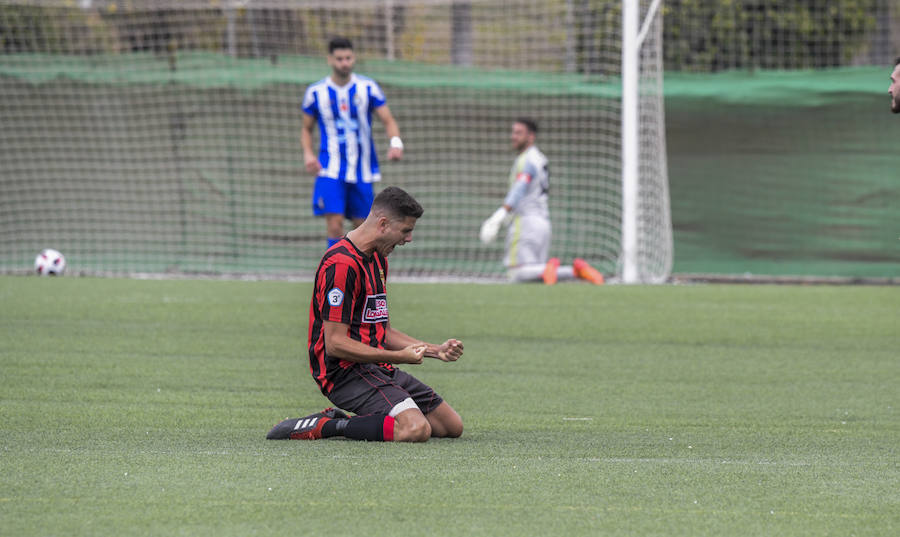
(370, 389)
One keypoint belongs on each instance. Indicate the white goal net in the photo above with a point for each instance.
(164, 137)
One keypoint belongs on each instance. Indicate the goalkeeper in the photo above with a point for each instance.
(525, 211)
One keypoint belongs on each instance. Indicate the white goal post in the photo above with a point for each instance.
(641, 262)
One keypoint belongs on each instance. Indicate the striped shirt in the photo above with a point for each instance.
(344, 115)
(350, 289)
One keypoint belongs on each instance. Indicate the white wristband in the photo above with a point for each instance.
(396, 142)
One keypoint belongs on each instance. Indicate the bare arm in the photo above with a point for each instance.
(449, 351)
(309, 157)
(340, 345)
(392, 130)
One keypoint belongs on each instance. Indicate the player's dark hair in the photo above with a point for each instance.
(529, 123)
(339, 43)
(396, 202)
(897, 61)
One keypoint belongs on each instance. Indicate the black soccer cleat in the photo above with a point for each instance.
(306, 428)
(335, 413)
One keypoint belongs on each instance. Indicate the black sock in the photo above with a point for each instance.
(374, 428)
(334, 427)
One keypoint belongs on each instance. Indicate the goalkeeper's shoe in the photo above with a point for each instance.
(550, 270)
(307, 428)
(586, 272)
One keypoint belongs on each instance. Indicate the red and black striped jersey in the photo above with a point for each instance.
(349, 288)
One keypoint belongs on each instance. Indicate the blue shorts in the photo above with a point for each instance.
(353, 200)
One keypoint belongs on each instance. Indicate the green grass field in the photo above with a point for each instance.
(135, 407)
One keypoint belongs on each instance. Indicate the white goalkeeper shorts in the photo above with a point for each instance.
(527, 241)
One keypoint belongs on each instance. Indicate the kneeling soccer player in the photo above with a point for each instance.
(353, 349)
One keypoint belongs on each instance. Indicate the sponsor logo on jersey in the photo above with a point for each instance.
(376, 309)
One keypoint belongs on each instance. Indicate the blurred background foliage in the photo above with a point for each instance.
(699, 35)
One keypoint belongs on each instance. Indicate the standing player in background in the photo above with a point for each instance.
(894, 89)
(346, 164)
(353, 349)
(528, 237)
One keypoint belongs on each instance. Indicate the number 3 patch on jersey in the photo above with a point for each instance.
(335, 297)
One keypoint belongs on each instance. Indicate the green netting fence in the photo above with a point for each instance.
(191, 163)
(784, 173)
(771, 172)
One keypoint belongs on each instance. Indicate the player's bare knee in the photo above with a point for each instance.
(455, 430)
(452, 428)
(445, 422)
(414, 431)
(420, 431)
(334, 225)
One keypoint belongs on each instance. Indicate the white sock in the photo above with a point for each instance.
(534, 273)
(526, 273)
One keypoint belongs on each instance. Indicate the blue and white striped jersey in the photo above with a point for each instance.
(344, 114)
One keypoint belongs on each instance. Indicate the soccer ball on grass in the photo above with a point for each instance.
(50, 263)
